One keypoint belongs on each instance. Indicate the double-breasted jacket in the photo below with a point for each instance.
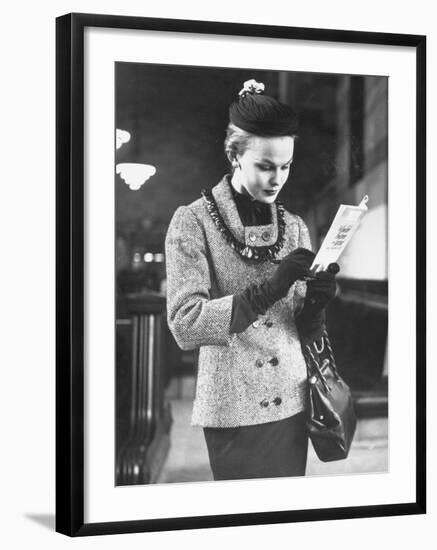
(246, 378)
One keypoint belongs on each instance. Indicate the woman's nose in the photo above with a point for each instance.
(276, 178)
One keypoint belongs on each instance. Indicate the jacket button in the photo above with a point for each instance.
(268, 323)
(277, 401)
(259, 363)
(274, 361)
(252, 237)
(256, 324)
(264, 403)
(265, 235)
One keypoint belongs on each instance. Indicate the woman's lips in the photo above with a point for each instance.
(270, 192)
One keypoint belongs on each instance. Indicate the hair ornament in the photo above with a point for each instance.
(251, 87)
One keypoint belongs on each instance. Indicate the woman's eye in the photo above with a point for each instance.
(265, 167)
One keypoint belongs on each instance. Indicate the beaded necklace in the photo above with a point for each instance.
(257, 253)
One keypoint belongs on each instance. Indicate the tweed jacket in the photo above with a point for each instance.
(246, 378)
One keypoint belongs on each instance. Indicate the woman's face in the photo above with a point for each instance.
(264, 166)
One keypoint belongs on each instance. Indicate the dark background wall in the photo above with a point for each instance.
(177, 117)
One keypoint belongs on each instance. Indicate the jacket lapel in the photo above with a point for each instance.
(257, 235)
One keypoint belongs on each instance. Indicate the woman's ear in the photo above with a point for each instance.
(233, 159)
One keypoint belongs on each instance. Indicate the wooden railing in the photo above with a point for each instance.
(146, 415)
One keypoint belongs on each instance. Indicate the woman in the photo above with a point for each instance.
(236, 268)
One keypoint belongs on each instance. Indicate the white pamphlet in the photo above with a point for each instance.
(345, 223)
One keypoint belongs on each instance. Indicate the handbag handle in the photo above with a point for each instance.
(318, 369)
(330, 353)
(327, 343)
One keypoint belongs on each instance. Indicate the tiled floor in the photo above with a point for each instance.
(188, 457)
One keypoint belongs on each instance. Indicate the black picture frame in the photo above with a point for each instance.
(70, 272)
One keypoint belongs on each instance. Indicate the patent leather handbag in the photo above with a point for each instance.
(331, 418)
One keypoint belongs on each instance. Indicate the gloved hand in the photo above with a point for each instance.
(321, 290)
(294, 266)
(310, 321)
(258, 298)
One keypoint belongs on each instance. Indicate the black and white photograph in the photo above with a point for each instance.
(216, 280)
(251, 274)
(240, 267)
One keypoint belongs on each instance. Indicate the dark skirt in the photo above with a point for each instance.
(274, 449)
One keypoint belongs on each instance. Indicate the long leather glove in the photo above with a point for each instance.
(294, 266)
(258, 298)
(320, 291)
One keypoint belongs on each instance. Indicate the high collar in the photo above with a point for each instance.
(256, 235)
(246, 198)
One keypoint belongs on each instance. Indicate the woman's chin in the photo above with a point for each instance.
(267, 197)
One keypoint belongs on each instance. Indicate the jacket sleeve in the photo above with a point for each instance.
(193, 317)
(300, 287)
